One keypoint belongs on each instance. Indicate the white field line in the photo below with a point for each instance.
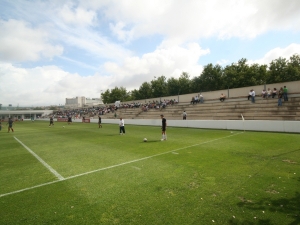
(41, 161)
(117, 165)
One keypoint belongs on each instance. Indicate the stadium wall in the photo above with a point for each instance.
(249, 125)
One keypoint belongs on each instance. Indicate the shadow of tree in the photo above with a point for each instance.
(288, 206)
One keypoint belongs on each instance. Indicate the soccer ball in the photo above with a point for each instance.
(63, 126)
(145, 139)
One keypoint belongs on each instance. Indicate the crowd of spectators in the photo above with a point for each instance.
(102, 110)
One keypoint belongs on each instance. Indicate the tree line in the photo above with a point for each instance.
(212, 78)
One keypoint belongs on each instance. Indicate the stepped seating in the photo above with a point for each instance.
(230, 109)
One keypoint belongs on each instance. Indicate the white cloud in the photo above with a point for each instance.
(278, 52)
(166, 60)
(19, 42)
(196, 19)
(76, 15)
(47, 85)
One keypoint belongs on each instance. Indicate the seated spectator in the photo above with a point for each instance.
(264, 93)
(250, 94)
(196, 99)
(269, 93)
(222, 97)
(201, 98)
(274, 93)
(193, 100)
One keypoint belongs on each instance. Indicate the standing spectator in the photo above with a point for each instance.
(274, 93)
(10, 125)
(285, 91)
(253, 96)
(222, 97)
(280, 94)
(163, 128)
(122, 126)
(249, 95)
(184, 114)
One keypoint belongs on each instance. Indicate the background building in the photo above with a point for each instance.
(82, 101)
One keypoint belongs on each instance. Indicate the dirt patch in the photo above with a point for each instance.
(289, 161)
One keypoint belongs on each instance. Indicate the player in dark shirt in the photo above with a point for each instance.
(163, 128)
(69, 120)
(10, 125)
(51, 121)
(99, 122)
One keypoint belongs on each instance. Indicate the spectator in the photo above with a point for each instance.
(222, 97)
(193, 100)
(280, 94)
(264, 93)
(196, 99)
(253, 96)
(285, 96)
(201, 98)
(184, 114)
(249, 95)
(274, 93)
(269, 93)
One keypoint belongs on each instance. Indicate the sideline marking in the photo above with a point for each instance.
(110, 167)
(60, 177)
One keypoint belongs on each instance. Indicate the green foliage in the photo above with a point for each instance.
(197, 176)
(159, 87)
(213, 77)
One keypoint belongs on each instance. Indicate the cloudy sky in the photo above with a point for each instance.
(52, 50)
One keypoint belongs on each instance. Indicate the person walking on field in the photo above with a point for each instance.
(122, 126)
(51, 121)
(99, 122)
(10, 125)
(163, 128)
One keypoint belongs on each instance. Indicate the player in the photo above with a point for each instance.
(99, 122)
(10, 125)
(163, 128)
(0, 124)
(122, 126)
(51, 121)
(69, 119)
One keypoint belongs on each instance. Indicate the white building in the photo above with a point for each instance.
(80, 102)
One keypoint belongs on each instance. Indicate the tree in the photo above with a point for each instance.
(145, 90)
(135, 95)
(106, 97)
(211, 78)
(173, 86)
(293, 68)
(159, 87)
(278, 70)
(184, 83)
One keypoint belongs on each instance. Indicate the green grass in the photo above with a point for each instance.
(197, 176)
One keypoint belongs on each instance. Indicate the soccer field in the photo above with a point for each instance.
(82, 174)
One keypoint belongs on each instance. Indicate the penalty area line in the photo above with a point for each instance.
(60, 177)
(113, 166)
